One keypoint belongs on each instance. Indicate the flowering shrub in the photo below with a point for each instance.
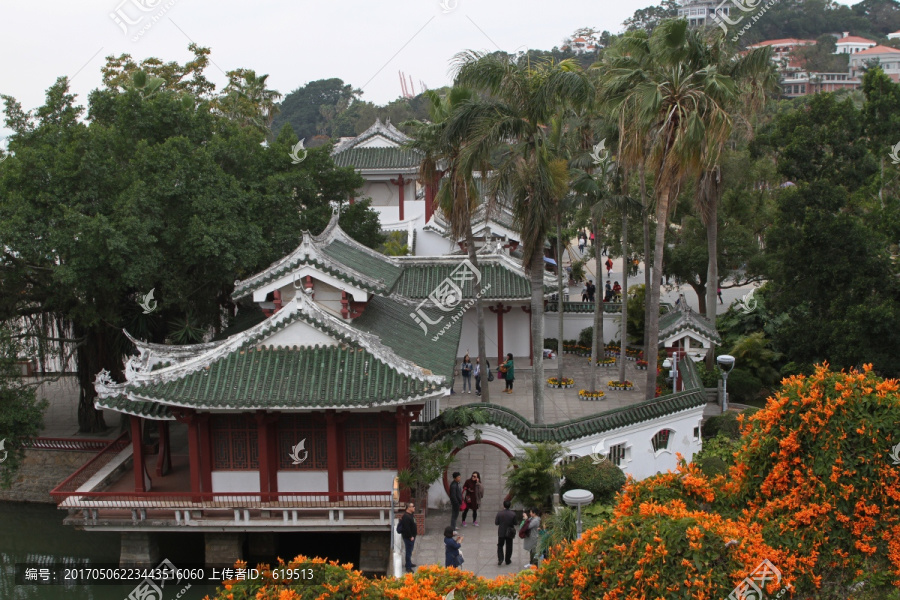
(605, 362)
(587, 394)
(565, 381)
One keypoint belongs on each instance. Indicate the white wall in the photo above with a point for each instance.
(302, 481)
(640, 462)
(412, 209)
(573, 323)
(299, 333)
(235, 481)
(369, 481)
(429, 243)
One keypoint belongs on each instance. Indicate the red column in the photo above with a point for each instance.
(401, 183)
(276, 299)
(530, 336)
(194, 453)
(500, 310)
(268, 459)
(204, 445)
(335, 477)
(137, 445)
(403, 418)
(164, 457)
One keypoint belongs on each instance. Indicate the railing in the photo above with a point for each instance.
(588, 307)
(230, 509)
(90, 468)
(71, 444)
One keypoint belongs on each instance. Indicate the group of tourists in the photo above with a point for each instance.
(467, 496)
(470, 370)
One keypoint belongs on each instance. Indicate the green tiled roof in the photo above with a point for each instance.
(378, 158)
(149, 410)
(574, 429)
(289, 378)
(362, 262)
(391, 321)
(669, 324)
(419, 280)
(248, 288)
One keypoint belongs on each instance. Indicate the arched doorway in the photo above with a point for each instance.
(492, 461)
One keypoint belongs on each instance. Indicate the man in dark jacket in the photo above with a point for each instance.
(408, 531)
(455, 499)
(506, 532)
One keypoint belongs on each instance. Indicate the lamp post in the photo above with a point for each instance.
(726, 363)
(672, 363)
(578, 498)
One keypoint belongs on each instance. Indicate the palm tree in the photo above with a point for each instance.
(247, 100)
(458, 196)
(754, 75)
(665, 88)
(521, 101)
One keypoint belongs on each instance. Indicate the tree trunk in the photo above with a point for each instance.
(645, 218)
(559, 279)
(93, 356)
(651, 351)
(712, 270)
(624, 326)
(700, 290)
(479, 315)
(537, 331)
(597, 342)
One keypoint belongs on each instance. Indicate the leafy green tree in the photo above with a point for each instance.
(820, 57)
(302, 108)
(21, 414)
(647, 19)
(532, 475)
(153, 191)
(118, 73)
(247, 100)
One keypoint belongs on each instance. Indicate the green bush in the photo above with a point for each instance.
(725, 425)
(710, 378)
(603, 479)
(551, 344)
(743, 387)
(717, 454)
(532, 475)
(586, 337)
(793, 368)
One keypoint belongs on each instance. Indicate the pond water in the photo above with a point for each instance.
(34, 534)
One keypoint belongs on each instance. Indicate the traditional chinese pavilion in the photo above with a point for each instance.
(299, 421)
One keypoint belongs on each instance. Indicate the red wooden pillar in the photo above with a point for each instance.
(204, 445)
(402, 419)
(431, 189)
(137, 445)
(194, 453)
(401, 183)
(530, 336)
(276, 299)
(164, 457)
(500, 310)
(268, 454)
(335, 476)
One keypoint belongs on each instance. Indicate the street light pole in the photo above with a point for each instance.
(726, 362)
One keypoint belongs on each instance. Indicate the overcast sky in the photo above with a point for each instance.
(365, 43)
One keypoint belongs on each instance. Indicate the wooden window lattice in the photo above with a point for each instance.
(661, 439)
(235, 443)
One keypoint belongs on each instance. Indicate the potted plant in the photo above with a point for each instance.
(606, 362)
(620, 385)
(586, 395)
(566, 382)
(641, 365)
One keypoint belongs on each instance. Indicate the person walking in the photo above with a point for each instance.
(509, 372)
(617, 292)
(473, 492)
(455, 498)
(466, 370)
(408, 531)
(581, 242)
(607, 297)
(476, 373)
(506, 532)
(533, 526)
(609, 266)
(452, 544)
(591, 290)
(719, 293)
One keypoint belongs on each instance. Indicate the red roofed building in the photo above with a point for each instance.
(851, 44)
(888, 58)
(782, 48)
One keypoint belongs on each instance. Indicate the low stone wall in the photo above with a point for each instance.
(41, 471)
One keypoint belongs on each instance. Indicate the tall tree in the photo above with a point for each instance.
(520, 103)
(679, 103)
